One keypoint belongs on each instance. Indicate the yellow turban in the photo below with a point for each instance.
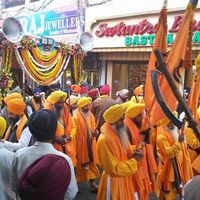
(12, 96)
(2, 126)
(134, 110)
(138, 90)
(165, 121)
(56, 96)
(84, 101)
(114, 113)
(16, 106)
(72, 100)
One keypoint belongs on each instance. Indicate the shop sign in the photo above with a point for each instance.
(61, 21)
(143, 33)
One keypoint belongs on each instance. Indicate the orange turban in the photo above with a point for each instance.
(13, 96)
(76, 88)
(16, 106)
(138, 90)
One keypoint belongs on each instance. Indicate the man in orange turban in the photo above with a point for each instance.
(10, 96)
(147, 166)
(76, 90)
(116, 157)
(66, 130)
(87, 159)
(17, 135)
(138, 94)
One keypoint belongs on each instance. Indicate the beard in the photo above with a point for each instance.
(174, 132)
(58, 111)
(13, 121)
(122, 133)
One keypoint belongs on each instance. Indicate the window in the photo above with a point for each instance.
(12, 3)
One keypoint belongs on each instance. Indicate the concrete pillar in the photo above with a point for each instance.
(109, 73)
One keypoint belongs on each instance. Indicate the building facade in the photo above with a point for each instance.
(123, 43)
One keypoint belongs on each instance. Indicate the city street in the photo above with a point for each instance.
(85, 194)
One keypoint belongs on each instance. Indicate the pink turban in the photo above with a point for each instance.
(105, 90)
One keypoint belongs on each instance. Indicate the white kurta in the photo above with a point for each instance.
(6, 158)
(26, 156)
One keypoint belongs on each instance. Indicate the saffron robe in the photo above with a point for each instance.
(86, 147)
(116, 180)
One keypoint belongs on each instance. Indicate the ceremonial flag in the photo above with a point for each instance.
(175, 60)
(160, 42)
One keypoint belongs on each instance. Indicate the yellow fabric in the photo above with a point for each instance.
(84, 101)
(128, 104)
(193, 143)
(12, 96)
(16, 106)
(72, 100)
(2, 126)
(56, 96)
(114, 113)
(134, 110)
(197, 61)
(198, 112)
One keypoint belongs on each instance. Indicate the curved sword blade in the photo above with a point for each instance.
(161, 101)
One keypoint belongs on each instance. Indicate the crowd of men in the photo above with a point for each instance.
(50, 142)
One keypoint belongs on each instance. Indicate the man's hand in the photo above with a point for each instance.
(137, 154)
(67, 138)
(181, 138)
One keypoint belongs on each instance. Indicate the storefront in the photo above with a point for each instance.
(123, 46)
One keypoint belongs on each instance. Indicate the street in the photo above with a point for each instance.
(85, 194)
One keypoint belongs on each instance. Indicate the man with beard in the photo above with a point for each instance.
(66, 130)
(101, 104)
(17, 135)
(36, 103)
(116, 157)
(14, 95)
(147, 166)
(174, 166)
(87, 159)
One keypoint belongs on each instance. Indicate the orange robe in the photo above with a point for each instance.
(193, 144)
(35, 105)
(65, 128)
(86, 147)
(147, 166)
(116, 180)
(167, 149)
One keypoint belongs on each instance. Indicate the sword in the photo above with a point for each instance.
(161, 101)
(163, 67)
